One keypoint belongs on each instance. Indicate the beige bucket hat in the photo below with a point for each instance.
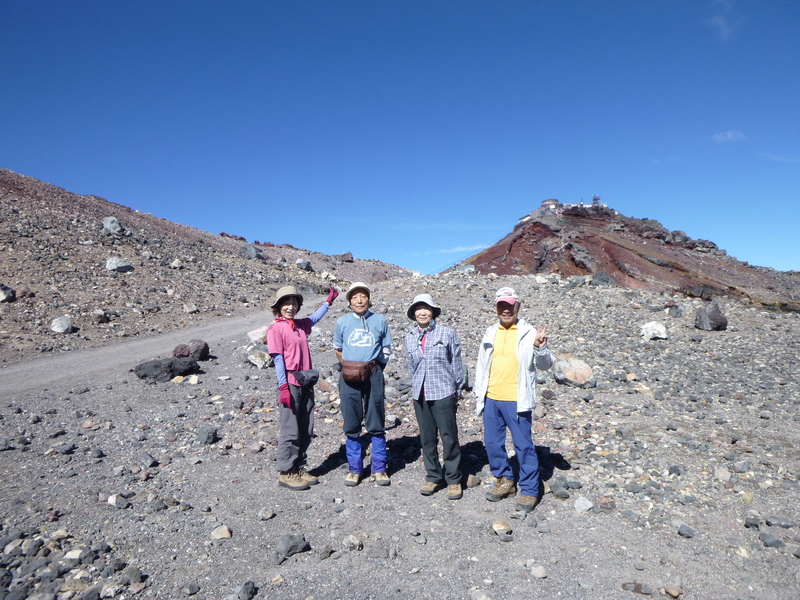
(287, 290)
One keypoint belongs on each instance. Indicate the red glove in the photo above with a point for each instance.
(332, 294)
(285, 397)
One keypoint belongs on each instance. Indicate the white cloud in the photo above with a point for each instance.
(729, 136)
(722, 25)
(455, 250)
(785, 159)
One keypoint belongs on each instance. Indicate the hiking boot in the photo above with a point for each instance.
(502, 489)
(526, 503)
(292, 480)
(308, 477)
(454, 491)
(352, 479)
(382, 478)
(430, 488)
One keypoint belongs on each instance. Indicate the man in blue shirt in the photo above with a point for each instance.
(363, 344)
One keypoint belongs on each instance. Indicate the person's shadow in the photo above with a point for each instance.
(407, 449)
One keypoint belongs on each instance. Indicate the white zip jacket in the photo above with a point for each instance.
(530, 359)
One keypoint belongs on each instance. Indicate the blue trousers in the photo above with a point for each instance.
(363, 403)
(497, 418)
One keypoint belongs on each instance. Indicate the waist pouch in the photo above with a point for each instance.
(306, 377)
(356, 371)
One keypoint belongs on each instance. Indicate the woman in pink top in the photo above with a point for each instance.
(287, 340)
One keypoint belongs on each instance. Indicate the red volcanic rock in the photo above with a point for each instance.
(635, 253)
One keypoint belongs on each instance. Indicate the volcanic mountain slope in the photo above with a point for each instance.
(53, 253)
(635, 253)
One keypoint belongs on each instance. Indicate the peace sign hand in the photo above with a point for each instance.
(541, 336)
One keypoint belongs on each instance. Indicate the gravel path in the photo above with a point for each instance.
(677, 475)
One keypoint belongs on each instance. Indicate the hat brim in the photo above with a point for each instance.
(413, 308)
(507, 299)
(282, 298)
(350, 292)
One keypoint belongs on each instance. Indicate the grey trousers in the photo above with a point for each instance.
(297, 428)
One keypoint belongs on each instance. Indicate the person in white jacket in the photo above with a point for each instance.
(505, 383)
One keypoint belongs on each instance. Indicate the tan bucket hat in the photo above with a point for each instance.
(287, 290)
(358, 285)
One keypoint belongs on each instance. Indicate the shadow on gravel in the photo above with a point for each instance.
(549, 462)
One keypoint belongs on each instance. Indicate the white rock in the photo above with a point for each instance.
(654, 331)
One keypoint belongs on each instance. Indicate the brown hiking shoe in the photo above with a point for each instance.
(352, 479)
(454, 491)
(526, 503)
(430, 488)
(382, 478)
(292, 480)
(308, 477)
(502, 489)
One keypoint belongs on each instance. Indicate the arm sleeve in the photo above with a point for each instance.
(338, 336)
(319, 313)
(280, 369)
(543, 358)
(458, 365)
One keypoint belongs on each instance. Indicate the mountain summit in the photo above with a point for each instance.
(592, 239)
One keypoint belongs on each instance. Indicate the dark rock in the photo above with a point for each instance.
(251, 252)
(710, 318)
(207, 434)
(195, 349)
(7, 294)
(685, 531)
(247, 591)
(164, 369)
(770, 541)
(291, 544)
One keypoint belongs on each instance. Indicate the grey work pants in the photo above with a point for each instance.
(297, 428)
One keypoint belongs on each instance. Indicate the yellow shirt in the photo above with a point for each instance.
(504, 370)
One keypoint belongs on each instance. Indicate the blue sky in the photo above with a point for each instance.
(413, 132)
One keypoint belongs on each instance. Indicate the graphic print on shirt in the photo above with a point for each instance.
(361, 338)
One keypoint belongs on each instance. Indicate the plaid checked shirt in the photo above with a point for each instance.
(438, 369)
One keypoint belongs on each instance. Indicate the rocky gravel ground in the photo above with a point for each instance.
(675, 475)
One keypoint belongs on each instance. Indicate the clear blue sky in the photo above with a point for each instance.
(413, 132)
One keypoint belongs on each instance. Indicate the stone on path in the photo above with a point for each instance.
(164, 369)
(572, 371)
(62, 325)
(654, 331)
(195, 349)
(221, 532)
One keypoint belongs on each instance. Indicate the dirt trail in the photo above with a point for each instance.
(91, 365)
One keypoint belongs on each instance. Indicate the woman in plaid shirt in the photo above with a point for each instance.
(437, 375)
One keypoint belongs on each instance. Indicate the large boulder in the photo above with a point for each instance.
(62, 325)
(119, 265)
(709, 317)
(113, 226)
(252, 252)
(164, 369)
(572, 371)
(196, 349)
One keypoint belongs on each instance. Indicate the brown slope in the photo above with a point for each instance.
(53, 252)
(635, 253)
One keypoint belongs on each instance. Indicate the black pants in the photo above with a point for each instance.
(435, 418)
